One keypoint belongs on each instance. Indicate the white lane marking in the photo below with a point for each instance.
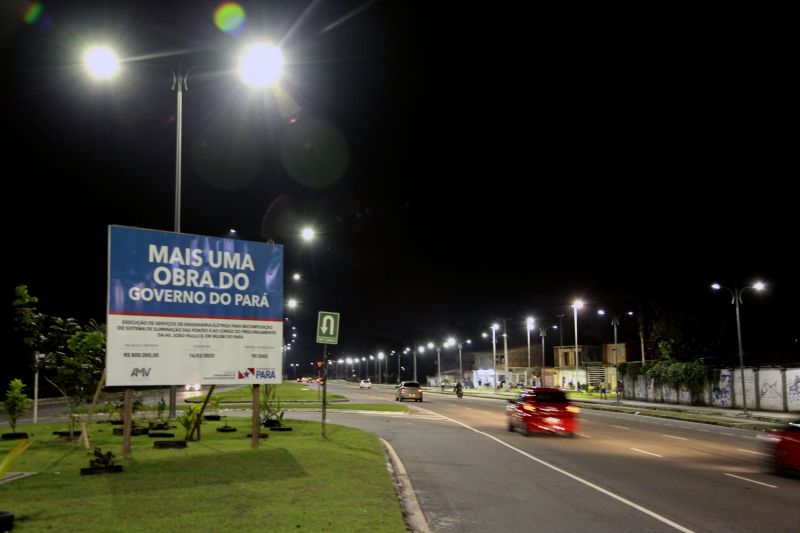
(674, 437)
(621, 427)
(648, 453)
(728, 434)
(589, 484)
(584, 435)
(754, 453)
(752, 481)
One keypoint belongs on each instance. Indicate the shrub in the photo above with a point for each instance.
(17, 402)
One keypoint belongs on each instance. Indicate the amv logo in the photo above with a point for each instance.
(137, 372)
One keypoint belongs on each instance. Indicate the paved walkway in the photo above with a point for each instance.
(718, 415)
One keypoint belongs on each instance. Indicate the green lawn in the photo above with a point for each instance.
(294, 481)
(287, 391)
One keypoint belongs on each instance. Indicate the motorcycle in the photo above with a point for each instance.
(459, 393)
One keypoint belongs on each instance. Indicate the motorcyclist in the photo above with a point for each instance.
(459, 390)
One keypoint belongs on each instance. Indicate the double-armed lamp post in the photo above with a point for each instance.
(260, 66)
(736, 295)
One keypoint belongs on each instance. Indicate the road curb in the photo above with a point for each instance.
(412, 512)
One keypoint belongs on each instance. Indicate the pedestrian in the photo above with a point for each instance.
(619, 389)
(603, 391)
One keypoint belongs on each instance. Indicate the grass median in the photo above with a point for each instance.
(294, 481)
(287, 392)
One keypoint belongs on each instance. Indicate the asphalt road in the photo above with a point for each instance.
(621, 473)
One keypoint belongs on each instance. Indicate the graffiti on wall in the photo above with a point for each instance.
(722, 393)
(770, 390)
(794, 389)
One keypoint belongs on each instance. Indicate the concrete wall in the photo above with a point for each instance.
(768, 389)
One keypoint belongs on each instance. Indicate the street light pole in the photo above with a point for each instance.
(439, 365)
(737, 299)
(505, 352)
(543, 334)
(460, 367)
(494, 356)
(528, 378)
(577, 305)
(414, 354)
(39, 357)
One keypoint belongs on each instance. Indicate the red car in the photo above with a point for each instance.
(786, 454)
(542, 409)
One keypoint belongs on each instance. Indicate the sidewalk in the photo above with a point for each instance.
(761, 420)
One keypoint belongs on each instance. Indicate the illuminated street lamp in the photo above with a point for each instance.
(438, 362)
(495, 327)
(543, 334)
(308, 234)
(260, 66)
(575, 306)
(380, 358)
(528, 377)
(459, 345)
(414, 350)
(736, 295)
(615, 323)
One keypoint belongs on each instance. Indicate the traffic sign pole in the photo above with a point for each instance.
(327, 333)
(324, 386)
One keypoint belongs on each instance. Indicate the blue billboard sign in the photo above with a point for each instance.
(193, 309)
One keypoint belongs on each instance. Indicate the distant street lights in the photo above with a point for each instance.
(575, 306)
(736, 295)
(380, 358)
(260, 66)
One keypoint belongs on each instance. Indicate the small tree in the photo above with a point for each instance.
(188, 419)
(17, 402)
(75, 361)
(213, 403)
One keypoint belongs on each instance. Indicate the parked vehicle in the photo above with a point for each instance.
(408, 390)
(542, 409)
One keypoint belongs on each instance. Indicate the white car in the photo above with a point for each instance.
(193, 387)
(365, 384)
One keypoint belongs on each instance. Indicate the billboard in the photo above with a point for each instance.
(192, 309)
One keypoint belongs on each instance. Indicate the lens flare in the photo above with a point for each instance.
(229, 17)
(32, 12)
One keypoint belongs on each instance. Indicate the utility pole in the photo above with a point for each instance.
(505, 350)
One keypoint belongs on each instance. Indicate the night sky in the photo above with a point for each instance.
(461, 164)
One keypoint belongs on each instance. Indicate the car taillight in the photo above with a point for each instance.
(573, 409)
(528, 407)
